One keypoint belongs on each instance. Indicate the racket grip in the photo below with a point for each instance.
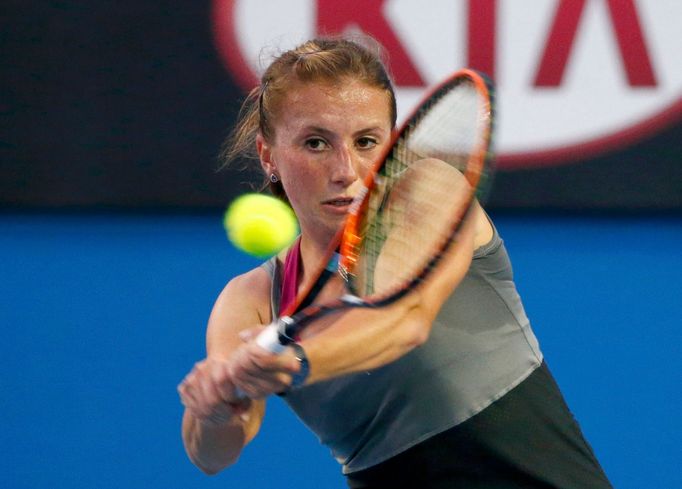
(268, 339)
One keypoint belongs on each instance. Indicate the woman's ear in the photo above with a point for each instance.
(265, 154)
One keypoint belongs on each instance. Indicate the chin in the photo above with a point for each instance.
(331, 228)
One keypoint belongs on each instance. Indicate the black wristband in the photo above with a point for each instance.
(299, 378)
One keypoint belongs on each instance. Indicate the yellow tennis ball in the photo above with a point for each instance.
(260, 225)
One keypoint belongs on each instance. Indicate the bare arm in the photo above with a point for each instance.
(217, 424)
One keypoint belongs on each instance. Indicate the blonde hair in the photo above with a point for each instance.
(324, 59)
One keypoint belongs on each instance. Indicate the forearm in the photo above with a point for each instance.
(365, 339)
(212, 448)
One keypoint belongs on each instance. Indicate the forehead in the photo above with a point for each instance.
(334, 103)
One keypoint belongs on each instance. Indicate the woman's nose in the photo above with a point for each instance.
(346, 168)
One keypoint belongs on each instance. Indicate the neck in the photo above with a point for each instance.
(313, 252)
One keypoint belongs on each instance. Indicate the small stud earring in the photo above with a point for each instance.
(274, 178)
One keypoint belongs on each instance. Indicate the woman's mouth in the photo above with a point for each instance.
(340, 204)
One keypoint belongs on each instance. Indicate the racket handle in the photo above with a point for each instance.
(268, 339)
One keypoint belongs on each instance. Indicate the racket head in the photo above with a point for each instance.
(416, 198)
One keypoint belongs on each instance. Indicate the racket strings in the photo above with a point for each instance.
(421, 192)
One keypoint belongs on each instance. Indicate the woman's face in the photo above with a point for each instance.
(326, 138)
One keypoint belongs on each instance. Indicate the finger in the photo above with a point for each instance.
(187, 389)
(183, 392)
(199, 396)
(259, 386)
(195, 391)
(188, 379)
(249, 334)
(258, 373)
(223, 383)
(190, 401)
(285, 362)
(208, 390)
(207, 411)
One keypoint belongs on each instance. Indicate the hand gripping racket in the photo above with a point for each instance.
(412, 205)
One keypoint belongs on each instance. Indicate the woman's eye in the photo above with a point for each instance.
(366, 143)
(316, 144)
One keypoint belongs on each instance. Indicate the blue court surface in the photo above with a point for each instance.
(102, 316)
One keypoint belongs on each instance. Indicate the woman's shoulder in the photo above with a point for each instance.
(254, 288)
(256, 281)
(248, 291)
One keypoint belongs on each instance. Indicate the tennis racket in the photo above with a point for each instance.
(411, 207)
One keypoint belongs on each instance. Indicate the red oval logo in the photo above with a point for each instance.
(574, 78)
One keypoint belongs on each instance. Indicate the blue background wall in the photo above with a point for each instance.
(102, 316)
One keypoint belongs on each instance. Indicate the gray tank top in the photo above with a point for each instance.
(481, 346)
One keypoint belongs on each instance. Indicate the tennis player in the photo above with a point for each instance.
(446, 388)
